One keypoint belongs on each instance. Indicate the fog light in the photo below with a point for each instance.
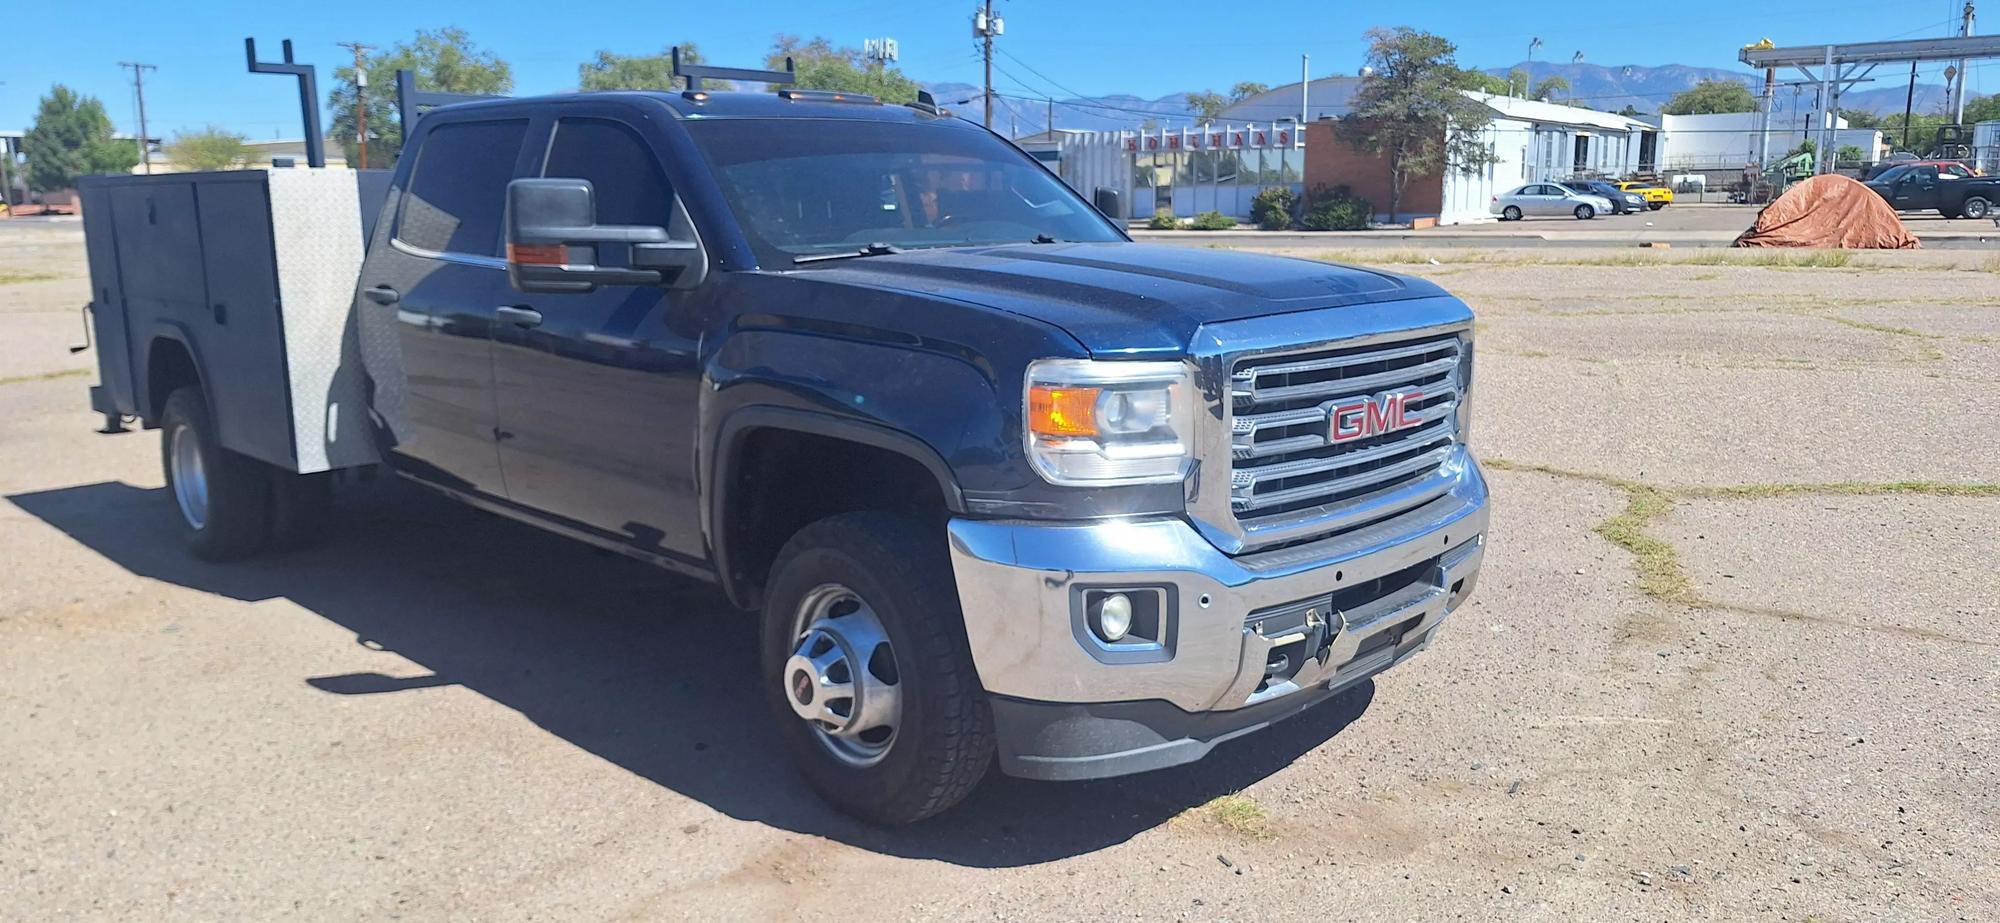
(1114, 617)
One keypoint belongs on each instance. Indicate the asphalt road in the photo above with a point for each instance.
(1719, 666)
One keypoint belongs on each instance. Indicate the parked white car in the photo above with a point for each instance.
(1549, 199)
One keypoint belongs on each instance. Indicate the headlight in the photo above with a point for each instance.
(1094, 423)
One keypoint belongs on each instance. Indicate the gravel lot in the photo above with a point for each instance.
(1732, 657)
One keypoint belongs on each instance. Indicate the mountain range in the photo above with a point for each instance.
(1609, 88)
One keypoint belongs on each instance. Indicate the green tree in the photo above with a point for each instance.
(1411, 110)
(1549, 86)
(821, 66)
(208, 149)
(71, 137)
(1246, 89)
(1921, 131)
(1630, 111)
(443, 60)
(1711, 96)
(1492, 83)
(1517, 82)
(641, 72)
(1982, 109)
(1207, 105)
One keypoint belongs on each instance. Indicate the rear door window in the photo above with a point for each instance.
(628, 185)
(458, 188)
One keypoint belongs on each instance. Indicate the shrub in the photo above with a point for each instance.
(1336, 209)
(1272, 208)
(1212, 221)
(1164, 220)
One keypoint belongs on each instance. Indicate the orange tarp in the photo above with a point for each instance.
(1831, 211)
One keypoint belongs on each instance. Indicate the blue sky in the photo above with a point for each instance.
(1091, 47)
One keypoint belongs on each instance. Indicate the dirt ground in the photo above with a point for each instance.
(1733, 657)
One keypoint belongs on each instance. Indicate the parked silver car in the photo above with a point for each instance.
(1548, 199)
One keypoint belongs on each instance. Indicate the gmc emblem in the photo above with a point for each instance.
(1372, 417)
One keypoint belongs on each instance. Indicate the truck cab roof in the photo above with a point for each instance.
(735, 104)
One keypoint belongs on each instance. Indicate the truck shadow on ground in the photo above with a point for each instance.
(648, 671)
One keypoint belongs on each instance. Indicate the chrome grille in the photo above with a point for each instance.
(1286, 465)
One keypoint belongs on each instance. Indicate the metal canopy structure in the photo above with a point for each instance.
(1840, 67)
(1919, 49)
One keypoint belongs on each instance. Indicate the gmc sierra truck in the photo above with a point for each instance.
(1003, 485)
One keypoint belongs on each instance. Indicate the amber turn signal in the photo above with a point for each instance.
(1060, 411)
(538, 254)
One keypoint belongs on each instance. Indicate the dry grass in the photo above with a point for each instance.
(1238, 814)
(45, 376)
(1655, 561)
(9, 277)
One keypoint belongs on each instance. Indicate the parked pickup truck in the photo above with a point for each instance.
(999, 481)
(1920, 187)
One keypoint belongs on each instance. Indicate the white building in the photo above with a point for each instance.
(1728, 140)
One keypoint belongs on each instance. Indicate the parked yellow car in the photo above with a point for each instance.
(1657, 197)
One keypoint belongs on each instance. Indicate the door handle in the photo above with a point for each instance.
(382, 295)
(518, 316)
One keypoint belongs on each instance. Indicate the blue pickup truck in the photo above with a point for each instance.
(1002, 485)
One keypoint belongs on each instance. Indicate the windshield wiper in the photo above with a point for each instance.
(1044, 239)
(877, 249)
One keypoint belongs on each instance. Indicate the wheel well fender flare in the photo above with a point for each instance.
(729, 439)
(166, 331)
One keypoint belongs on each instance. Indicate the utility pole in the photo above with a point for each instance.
(985, 26)
(1909, 100)
(1958, 86)
(1305, 88)
(1052, 118)
(360, 98)
(6, 161)
(139, 83)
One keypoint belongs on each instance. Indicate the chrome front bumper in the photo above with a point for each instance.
(1020, 584)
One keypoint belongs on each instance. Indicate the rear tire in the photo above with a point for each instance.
(1975, 207)
(866, 603)
(1510, 213)
(1585, 213)
(224, 499)
(1655, 206)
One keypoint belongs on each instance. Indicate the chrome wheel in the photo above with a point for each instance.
(190, 478)
(842, 678)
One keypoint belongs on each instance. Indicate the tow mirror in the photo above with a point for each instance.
(554, 243)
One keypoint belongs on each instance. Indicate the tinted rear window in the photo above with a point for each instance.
(458, 189)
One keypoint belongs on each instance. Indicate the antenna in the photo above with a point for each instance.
(308, 95)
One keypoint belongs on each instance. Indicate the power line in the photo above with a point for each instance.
(139, 84)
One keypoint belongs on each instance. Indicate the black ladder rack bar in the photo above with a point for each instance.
(412, 103)
(693, 73)
(308, 95)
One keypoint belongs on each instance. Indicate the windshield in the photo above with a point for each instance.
(801, 187)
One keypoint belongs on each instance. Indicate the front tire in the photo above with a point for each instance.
(1585, 213)
(224, 499)
(869, 674)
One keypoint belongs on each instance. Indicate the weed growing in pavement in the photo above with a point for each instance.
(1236, 813)
(1657, 563)
(12, 278)
(45, 376)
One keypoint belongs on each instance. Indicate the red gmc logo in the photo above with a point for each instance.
(1372, 417)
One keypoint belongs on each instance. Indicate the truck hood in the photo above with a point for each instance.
(1124, 297)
